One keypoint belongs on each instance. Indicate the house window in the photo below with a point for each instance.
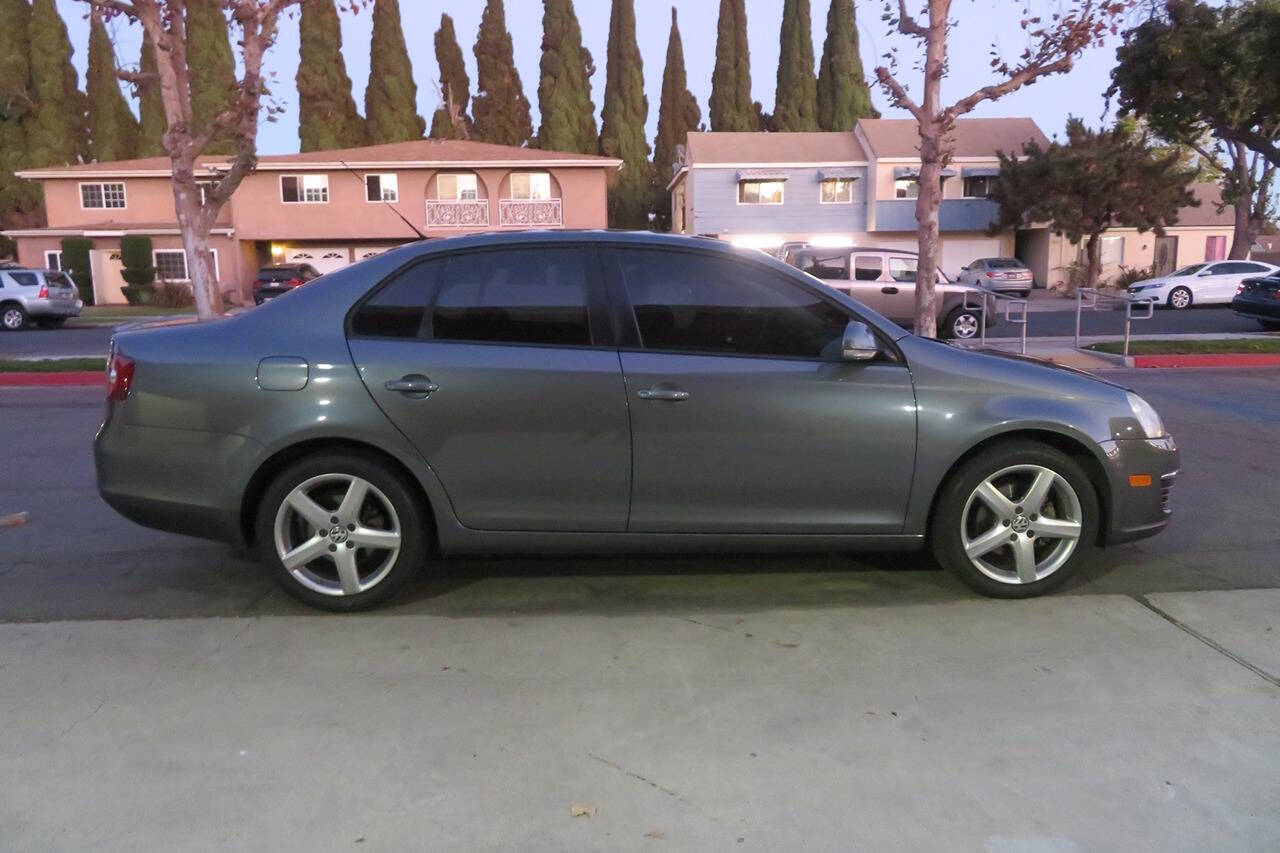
(102, 196)
(837, 191)
(906, 188)
(760, 192)
(380, 188)
(304, 189)
(979, 187)
(1112, 251)
(1215, 248)
(171, 265)
(531, 185)
(53, 260)
(461, 187)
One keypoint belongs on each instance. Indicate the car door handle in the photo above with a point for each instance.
(890, 290)
(413, 385)
(669, 394)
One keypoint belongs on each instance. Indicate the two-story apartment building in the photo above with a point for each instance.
(860, 188)
(327, 208)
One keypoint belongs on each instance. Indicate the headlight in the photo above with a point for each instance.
(1147, 416)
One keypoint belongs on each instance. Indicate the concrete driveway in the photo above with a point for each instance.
(157, 693)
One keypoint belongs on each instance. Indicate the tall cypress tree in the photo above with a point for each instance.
(152, 122)
(113, 131)
(843, 94)
(212, 70)
(327, 114)
(55, 131)
(391, 97)
(795, 105)
(500, 108)
(20, 201)
(455, 86)
(564, 85)
(623, 118)
(731, 104)
(678, 114)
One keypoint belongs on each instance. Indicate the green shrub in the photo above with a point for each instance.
(135, 255)
(1129, 276)
(8, 248)
(75, 262)
(139, 294)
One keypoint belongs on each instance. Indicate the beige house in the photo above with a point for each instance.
(325, 208)
(860, 188)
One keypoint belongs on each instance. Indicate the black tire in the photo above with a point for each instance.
(13, 317)
(961, 324)
(51, 322)
(1270, 325)
(1178, 295)
(390, 484)
(947, 524)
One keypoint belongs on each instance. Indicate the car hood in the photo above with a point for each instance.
(1150, 282)
(1043, 363)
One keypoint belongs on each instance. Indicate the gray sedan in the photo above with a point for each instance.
(571, 392)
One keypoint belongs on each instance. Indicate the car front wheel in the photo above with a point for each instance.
(340, 532)
(1179, 298)
(1016, 521)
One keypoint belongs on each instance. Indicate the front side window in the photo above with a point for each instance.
(462, 187)
(837, 191)
(699, 304)
(979, 187)
(760, 192)
(304, 189)
(529, 296)
(379, 188)
(906, 188)
(109, 196)
(533, 186)
(827, 267)
(397, 310)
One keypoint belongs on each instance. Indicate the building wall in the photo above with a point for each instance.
(1138, 251)
(717, 211)
(146, 200)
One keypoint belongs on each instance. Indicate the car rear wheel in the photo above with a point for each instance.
(962, 324)
(12, 317)
(1016, 521)
(340, 532)
(1179, 298)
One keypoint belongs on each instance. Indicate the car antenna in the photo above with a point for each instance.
(403, 218)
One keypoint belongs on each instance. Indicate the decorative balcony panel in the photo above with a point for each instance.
(446, 213)
(955, 214)
(530, 213)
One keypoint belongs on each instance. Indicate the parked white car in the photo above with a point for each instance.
(1008, 276)
(1212, 283)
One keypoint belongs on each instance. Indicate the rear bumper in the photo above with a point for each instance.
(1139, 507)
(53, 307)
(1257, 309)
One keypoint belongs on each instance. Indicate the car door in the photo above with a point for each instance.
(869, 282)
(1211, 283)
(500, 367)
(900, 289)
(743, 417)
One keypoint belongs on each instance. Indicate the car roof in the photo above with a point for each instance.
(830, 249)
(568, 235)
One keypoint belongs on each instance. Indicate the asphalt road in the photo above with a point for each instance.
(157, 692)
(1056, 319)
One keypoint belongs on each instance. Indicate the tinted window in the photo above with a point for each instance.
(1253, 268)
(1005, 264)
(868, 267)
(278, 273)
(397, 309)
(695, 303)
(58, 278)
(532, 296)
(24, 279)
(827, 266)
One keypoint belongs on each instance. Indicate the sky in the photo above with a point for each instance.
(980, 24)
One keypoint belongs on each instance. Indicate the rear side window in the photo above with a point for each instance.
(529, 296)
(398, 308)
(695, 303)
(868, 267)
(902, 269)
(25, 279)
(58, 278)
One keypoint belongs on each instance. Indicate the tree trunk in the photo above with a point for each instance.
(927, 204)
(1245, 226)
(195, 223)
(1093, 260)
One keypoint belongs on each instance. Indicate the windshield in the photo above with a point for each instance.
(280, 273)
(1191, 270)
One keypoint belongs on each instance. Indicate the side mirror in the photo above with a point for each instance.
(964, 269)
(859, 343)
(1203, 273)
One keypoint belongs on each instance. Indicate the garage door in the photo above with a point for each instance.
(960, 252)
(323, 259)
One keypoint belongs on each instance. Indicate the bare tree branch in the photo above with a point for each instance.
(908, 25)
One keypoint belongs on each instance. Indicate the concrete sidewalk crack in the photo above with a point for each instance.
(652, 784)
(1217, 647)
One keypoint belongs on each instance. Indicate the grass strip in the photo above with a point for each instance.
(52, 365)
(1229, 346)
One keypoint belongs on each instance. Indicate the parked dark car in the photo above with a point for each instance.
(1259, 299)
(281, 278)
(596, 391)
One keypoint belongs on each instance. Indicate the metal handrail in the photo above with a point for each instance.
(1021, 319)
(1097, 299)
(1129, 318)
(1008, 302)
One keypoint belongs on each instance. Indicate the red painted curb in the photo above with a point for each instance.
(52, 380)
(1242, 359)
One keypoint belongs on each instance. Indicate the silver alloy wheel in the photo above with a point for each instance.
(13, 319)
(965, 326)
(1180, 297)
(337, 534)
(1021, 524)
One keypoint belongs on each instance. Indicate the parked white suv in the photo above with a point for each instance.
(1213, 283)
(45, 297)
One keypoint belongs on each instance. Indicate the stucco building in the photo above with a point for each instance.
(327, 208)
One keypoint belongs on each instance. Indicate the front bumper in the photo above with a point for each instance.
(1141, 472)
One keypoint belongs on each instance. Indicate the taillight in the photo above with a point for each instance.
(119, 375)
(44, 291)
(991, 275)
(258, 283)
(294, 282)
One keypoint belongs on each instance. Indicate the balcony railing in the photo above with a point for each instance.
(447, 213)
(530, 213)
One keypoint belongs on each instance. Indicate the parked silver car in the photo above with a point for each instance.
(45, 297)
(885, 281)
(1008, 276)
(608, 392)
